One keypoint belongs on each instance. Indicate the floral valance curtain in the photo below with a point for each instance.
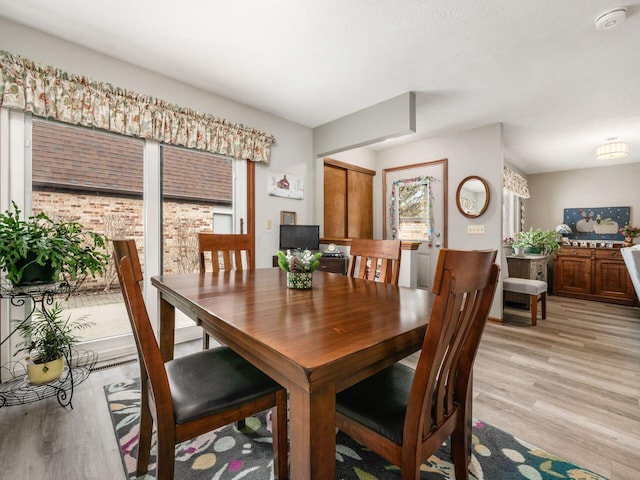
(49, 92)
(515, 183)
(394, 204)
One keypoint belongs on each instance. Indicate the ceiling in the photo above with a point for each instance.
(559, 86)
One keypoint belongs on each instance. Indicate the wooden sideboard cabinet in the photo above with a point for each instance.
(592, 274)
(533, 267)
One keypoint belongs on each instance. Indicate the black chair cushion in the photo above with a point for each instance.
(214, 380)
(380, 401)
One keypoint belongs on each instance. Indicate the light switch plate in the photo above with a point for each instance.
(475, 229)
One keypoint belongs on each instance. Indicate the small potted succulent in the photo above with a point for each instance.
(41, 250)
(299, 265)
(49, 337)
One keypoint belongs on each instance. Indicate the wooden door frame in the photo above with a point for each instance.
(445, 194)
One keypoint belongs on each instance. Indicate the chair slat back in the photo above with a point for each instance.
(377, 260)
(227, 251)
(464, 285)
(129, 270)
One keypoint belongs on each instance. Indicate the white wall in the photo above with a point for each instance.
(551, 193)
(292, 152)
(474, 152)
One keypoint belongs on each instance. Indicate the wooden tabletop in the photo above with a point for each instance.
(313, 342)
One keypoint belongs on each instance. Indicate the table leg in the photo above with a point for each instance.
(312, 433)
(167, 329)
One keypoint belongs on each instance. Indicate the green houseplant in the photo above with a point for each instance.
(49, 337)
(537, 241)
(58, 250)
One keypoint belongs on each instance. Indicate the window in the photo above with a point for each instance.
(412, 212)
(411, 209)
(511, 214)
(197, 191)
(112, 184)
(94, 178)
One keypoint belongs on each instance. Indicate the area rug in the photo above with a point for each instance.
(230, 454)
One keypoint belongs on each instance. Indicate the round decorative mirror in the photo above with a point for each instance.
(472, 196)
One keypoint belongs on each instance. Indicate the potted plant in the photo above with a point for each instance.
(537, 241)
(49, 337)
(630, 232)
(40, 250)
(299, 265)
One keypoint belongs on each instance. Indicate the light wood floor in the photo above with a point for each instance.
(571, 386)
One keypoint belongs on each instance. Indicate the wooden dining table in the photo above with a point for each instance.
(314, 342)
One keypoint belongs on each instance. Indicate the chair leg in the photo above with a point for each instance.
(280, 443)
(460, 448)
(144, 435)
(534, 309)
(543, 301)
(166, 457)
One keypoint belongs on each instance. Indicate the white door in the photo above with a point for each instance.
(429, 248)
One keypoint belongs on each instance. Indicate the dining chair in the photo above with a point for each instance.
(631, 256)
(404, 415)
(377, 260)
(194, 394)
(228, 251)
(535, 289)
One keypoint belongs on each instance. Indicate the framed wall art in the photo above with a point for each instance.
(287, 218)
(597, 223)
(286, 185)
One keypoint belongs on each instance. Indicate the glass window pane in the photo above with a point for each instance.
(412, 212)
(195, 186)
(94, 178)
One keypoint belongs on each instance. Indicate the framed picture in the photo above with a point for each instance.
(597, 223)
(286, 185)
(287, 218)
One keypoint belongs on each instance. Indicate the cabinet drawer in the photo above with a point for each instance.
(609, 254)
(333, 264)
(575, 251)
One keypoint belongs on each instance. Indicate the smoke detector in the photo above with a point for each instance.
(611, 19)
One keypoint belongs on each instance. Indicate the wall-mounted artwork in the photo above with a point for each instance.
(286, 185)
(597, 223)
(287, 218)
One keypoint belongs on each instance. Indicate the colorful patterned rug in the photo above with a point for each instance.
(230, 454)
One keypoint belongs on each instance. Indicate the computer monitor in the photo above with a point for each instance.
(300, 237)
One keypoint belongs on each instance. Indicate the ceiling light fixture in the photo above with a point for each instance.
(612, 149)
(611, 19)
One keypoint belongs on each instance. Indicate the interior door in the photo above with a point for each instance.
(429, 249)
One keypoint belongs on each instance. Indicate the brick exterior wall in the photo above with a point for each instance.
(118, 217)
(95, 178)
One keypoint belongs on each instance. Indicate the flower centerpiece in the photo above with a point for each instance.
(299, 265)
(630, 232)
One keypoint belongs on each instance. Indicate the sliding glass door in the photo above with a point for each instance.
(119, 186)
